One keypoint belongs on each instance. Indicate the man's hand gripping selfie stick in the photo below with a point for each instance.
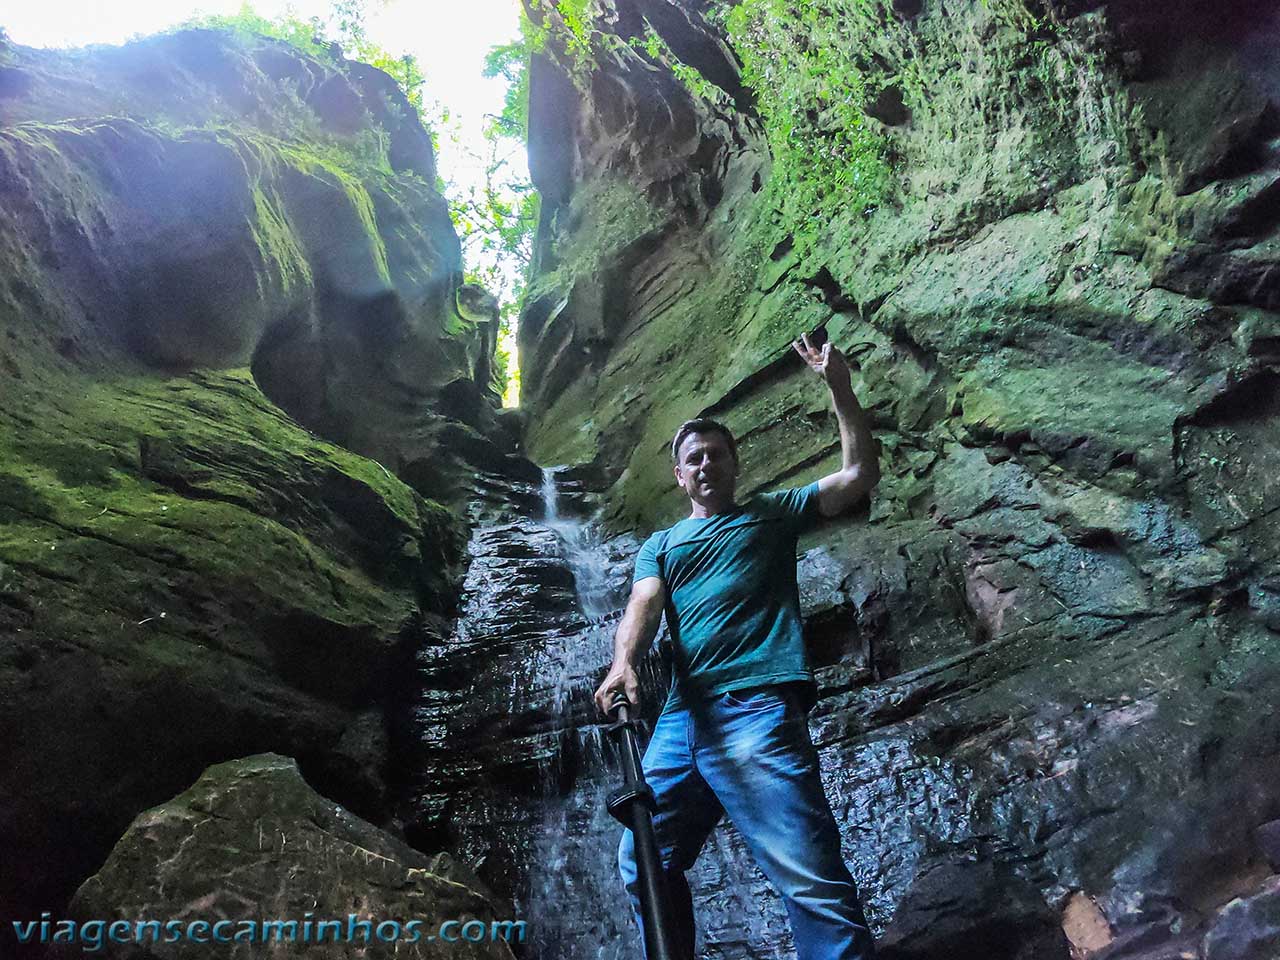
(632, 805)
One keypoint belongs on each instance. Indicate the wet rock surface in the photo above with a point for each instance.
(511, 764)
(1070, 786)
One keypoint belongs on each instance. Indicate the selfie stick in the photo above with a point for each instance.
(632, 806)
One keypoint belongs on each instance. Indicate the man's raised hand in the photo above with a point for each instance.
(827, 361)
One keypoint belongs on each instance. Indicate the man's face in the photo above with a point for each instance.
(705, 469)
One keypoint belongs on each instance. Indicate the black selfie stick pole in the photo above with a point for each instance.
(632, 805)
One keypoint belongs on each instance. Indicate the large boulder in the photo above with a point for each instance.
(250, 842)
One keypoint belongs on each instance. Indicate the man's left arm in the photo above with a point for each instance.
(859, 462)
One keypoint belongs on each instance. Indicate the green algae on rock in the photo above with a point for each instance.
(190, 572)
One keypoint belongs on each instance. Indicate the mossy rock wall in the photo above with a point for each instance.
(227, 280)
(1082, 196)
(1049, 647)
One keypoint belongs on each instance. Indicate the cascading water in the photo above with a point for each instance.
(514, 765)
(582, 551)
(575, 841)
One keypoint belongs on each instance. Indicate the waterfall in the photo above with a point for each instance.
(582, 551)
(576, 839)
(550, 497)
(513, 763)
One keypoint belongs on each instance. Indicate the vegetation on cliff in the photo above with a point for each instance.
(807, 64)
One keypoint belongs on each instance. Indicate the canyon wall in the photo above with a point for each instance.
(1047, 648)
(239, 379)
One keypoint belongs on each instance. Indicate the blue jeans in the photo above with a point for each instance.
(748, 753)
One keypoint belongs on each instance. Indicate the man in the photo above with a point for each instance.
(733, 736)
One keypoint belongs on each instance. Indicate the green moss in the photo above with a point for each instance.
(277, 241)
(804, 60)
(602, 220)
(1130, 410)
(562, 435)
(19, 498)
(966, 79)
(299, 136)
(279, 112)
(202, 477)
(673, 349)
(266, 157)
(77, 463)
(363, 205)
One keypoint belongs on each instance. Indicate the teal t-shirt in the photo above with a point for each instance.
(733, 608)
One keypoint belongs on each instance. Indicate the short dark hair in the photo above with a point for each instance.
(703, 425)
